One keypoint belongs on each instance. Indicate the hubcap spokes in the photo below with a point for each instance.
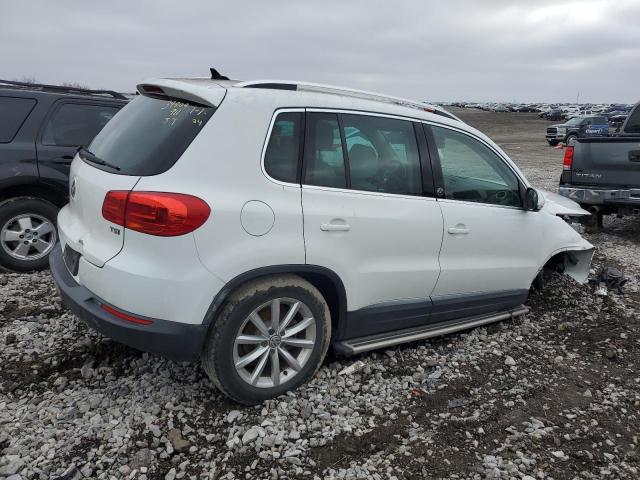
(274, 342)
(28, 237)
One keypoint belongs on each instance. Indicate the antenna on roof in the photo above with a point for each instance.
(215, 75)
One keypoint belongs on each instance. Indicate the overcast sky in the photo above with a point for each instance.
(479, 50)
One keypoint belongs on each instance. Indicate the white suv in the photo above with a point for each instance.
(251, 225)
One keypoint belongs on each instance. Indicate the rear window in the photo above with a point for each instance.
(75, 124)
(149, 134)
(633, 123)
(14, 111)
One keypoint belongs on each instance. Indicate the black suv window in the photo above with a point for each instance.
(283, 151)
(472, 172)
(323, 156)
(149, 134)
(75, 124)
(383, 154)
(13, 112)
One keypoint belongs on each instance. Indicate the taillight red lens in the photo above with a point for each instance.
(125, 316)
(157, 213)
(114, 206)
(568, 158)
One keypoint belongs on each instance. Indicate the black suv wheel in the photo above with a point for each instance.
(27, 233)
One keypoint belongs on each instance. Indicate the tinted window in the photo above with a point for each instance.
(149, 135)
(383, 154)
(74, 124)
(13, 113)
(473, 172)
(283, 150)
(599, 121)
(323, 157)
(633, 123)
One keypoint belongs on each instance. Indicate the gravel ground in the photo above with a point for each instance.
(555, 394)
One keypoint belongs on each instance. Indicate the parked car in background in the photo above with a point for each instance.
(616, 121)
(577, 127)
(553, 114)
(603, 173)
(41, 127)
(366, 222)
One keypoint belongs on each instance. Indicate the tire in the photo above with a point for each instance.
(570, 140)
(39, 212)
(552, 143)
(221, 354)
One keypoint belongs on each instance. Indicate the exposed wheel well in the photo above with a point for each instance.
(326, 281)
(37, 191)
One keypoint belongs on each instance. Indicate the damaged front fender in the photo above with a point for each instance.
(577, 264)
(555, 204)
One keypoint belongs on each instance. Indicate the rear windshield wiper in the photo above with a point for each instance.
(90, 157)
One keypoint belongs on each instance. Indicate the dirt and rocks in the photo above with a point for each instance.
(555, 394)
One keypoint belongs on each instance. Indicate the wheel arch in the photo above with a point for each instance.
(324, 279)
(41, 191)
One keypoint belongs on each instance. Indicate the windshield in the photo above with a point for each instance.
(574, 121)
(149, 134)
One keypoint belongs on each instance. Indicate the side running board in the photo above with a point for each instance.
(364, 344)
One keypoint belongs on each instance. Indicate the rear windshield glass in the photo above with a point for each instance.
(13, 113)
(633, 123)
(149, 134)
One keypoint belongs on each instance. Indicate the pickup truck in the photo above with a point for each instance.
(577, 127)
(41, 128)
(602, 174)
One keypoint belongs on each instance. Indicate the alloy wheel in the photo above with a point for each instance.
(274, 342)
(28, 237)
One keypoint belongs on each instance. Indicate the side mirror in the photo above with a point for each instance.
(533, 201)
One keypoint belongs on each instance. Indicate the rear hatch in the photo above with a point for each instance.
(607, 162)
(146, 137)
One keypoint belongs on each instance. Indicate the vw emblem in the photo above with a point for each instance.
(73, 189)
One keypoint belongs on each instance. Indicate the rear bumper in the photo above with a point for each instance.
(628, 197)
(174, 340)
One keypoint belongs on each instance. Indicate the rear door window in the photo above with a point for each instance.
(283, 150)
(75, 124)
(382, 154)
(13, 112)
(149, 135)
(323, 156)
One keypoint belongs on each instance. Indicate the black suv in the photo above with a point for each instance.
(41, 128)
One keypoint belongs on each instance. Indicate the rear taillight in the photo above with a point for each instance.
(155, 213)
(568, 158)
(114, 206)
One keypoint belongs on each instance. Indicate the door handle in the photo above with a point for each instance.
(634, 156)
(66, 160)
(458, 230)
(335, 227)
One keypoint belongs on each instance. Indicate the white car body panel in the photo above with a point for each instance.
(156, 277)
(499, 252)
(388, 250)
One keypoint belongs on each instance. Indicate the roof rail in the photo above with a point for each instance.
(332, 89)
(62, 89)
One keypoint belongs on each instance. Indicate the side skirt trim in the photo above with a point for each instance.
(364, 344)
